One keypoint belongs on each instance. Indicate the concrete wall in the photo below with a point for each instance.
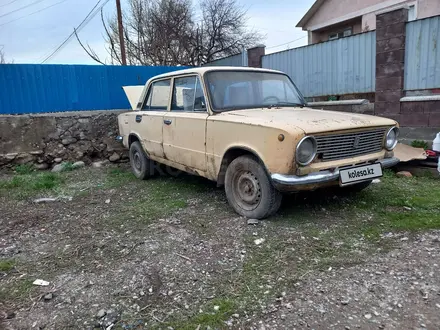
(47, 139)
(338, 13)
(323, 35)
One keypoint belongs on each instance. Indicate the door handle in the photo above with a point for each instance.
(167, 121)
(138, 118)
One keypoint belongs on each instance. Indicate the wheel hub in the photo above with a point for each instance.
(137, 161)
(248, 189)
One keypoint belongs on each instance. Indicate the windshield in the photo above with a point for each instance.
(234, 90)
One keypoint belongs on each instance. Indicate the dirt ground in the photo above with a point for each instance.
(169, 253)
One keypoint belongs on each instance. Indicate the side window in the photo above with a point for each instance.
(188, 95)
(158, 96)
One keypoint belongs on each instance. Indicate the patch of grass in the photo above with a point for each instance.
(16, 292)
(24, 169)
(68, 167)
(157, 197)
(26, 185)
(419, 144)
(117, 177)
(6, 265)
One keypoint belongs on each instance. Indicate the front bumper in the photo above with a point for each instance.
(282, 181)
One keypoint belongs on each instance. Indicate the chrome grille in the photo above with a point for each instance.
(340, 146)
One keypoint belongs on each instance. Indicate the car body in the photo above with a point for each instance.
(201, 120)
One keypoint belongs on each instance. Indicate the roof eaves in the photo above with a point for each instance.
(310, 13)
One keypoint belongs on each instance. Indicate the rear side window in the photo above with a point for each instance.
(158, 96)
(188, 95)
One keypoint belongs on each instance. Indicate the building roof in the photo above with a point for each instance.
(310, 13)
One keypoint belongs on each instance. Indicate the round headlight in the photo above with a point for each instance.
(391, 138)
(306, 150)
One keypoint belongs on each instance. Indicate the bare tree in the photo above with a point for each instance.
(2, 57)
(167, 32)
(88, 49)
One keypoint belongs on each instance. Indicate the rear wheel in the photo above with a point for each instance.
(140, 163)
(249, 190)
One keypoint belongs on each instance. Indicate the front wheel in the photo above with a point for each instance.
(249, 190)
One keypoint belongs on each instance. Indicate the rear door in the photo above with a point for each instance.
(150, 120)
(184, 132)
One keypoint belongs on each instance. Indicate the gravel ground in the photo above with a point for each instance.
(169, 253)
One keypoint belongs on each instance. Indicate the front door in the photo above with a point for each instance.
(184, 126)
(151, 117)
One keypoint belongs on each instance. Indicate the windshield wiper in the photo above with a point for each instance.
(294, 104)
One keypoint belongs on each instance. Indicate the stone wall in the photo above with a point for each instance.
(47, 139)
(255, 56)
(390, 62)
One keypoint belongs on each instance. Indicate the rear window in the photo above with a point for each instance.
(158, 96)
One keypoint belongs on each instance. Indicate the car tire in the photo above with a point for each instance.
(358, 187)
(249, 190)
(140, 163)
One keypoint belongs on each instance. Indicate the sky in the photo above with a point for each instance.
(30, 30)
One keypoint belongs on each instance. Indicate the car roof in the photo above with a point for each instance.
(205, 69)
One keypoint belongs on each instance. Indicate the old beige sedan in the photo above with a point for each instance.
(251, 131)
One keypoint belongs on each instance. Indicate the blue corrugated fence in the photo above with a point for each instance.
(342, 66)
(422, 54)
(35, 88)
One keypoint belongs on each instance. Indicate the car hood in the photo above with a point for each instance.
(306, 119)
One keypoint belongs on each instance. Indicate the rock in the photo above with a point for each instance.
(115, 157)
(24, 158)
(58, 168)
(107, 201)
(101, 314)
(10, 315)
(259, 241)
(253, 221)
(99, 164)
(345, 302)
(404, 174)
(58, 160)
(407, 208)
(42, 166)
(216, 308)
(235, 316)
(48, 296)
(68, 140)
(11, 156)
(376, 181)
(78, 164)
(79, 154)
(45, 200)
(368, 316)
